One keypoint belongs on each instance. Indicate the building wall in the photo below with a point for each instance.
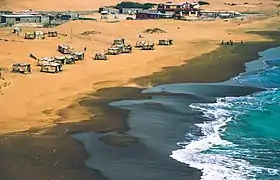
(109, 10)
(13, 20)
(147, 16)
(129, 10)
(45, 19)
(30, 20)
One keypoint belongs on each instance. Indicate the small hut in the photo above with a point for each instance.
(114, 51)
(44, 60)
(118, 41)
(60, 59)
(148, 46)
(70, 59)
(52, 34)
(127, 48)
(17, 30)
(165, 42)
(78, 55)
(51, 67)
(100, 56)
(29, 35)
(23, 68)
(39, 34)
(140, 43)
(64, 49)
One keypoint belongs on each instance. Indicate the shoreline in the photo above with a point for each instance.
(102, 113)
(232, 53)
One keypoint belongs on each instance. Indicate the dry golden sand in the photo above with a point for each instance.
(27, 96)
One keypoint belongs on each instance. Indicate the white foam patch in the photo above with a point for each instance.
(217, 166)
(212, 166)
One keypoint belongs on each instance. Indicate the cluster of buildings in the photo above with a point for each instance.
(35, 17)
(159, 11)
(169, 10)
(163, 10)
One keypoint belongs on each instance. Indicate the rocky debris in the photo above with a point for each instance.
(55, 163)
(4, 39)
(86, 33)
(154, 30)
(62, 34)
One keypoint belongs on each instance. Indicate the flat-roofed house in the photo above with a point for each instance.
(20, 18)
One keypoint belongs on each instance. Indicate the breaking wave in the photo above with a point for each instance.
(242, 139)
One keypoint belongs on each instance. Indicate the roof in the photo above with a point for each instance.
(18, 15)
(78, 53)
(153, 13)
(59, 57)
(21, 64)
(175, 4)
(132, 8)
(64, 46)
(50, 64)
(68, 56)
(104, 12)
(46, 59)
(26, 12)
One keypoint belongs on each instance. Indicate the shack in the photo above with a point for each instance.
(51, 67)
(20, 18)
(23, 68)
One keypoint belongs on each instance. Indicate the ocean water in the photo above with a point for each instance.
(208, 131)
(242, 140)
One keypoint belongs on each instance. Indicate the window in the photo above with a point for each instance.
(17, 19)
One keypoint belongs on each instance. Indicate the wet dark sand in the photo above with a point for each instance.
(61, 157)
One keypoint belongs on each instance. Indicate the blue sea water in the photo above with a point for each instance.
(242, 138)
(234, 136)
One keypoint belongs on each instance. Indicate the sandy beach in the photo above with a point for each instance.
(39, 111)
(58, 91)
